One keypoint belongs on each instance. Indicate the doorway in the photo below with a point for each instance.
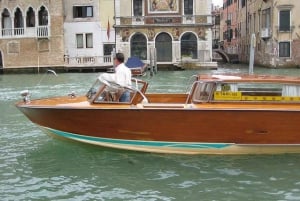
(163, 44)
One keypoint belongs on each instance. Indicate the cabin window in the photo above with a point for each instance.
(291, 91)
(203, 91)
(256, 92)
(109, 92)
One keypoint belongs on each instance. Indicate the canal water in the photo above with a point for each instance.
(34, 166)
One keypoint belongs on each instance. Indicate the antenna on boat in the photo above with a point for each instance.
(48, 71)
(26, 94)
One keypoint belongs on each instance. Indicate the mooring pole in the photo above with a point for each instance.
(252, 51)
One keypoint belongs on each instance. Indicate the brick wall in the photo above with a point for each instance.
(28, 51)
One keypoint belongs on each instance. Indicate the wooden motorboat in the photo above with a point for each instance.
(220, 114)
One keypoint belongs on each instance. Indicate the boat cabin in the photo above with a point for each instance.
(246, 88)
(206, 89)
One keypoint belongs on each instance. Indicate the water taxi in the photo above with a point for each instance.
(219, 114)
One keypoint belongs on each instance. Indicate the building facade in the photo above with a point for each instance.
(275, 24)
(83, 34)
(167, 31)
(216, 29)
(31, 34)
(229, 42)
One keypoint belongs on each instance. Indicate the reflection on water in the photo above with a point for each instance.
(34, 166)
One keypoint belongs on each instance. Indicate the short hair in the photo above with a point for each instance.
(120, 57)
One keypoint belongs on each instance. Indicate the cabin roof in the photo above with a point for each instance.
(249, 78)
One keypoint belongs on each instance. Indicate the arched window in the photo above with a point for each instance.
(43, 16)
(6, 23)
(139, 46)
(18, 22)
(163, 44)
(30, 18)
(189, 46)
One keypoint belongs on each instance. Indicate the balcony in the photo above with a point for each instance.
(88, 61)
(28, 32)
(138, 20)
(166, 20)
(265, 33)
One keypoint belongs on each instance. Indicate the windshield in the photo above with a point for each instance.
(108, 92)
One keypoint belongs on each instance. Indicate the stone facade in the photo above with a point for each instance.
(31, 33)
(216, 35)
(48, 33)
(275, 24)
(229, 27)
(174, 31)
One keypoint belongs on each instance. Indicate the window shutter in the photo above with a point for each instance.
(284, 20)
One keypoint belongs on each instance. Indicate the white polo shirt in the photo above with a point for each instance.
(122, 75)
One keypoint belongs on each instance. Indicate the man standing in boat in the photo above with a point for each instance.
(121, 76)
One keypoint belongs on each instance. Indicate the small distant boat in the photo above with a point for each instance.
(137, 67)
(219, 114)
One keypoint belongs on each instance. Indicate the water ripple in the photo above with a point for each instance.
(34, 166)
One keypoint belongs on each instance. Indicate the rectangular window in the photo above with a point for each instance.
(284, 20)
(284, 49)
(79, 40)
(188, 7)
(82, 11)
(89, 40)
(266, 18)
(138, 7)
(108, 48)
(217, 20)
(243, 3)
(84, 40)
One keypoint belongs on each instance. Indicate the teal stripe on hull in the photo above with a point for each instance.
(137, 143)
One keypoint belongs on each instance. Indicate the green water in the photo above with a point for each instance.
(34, 166)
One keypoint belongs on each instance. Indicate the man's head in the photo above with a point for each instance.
(119, 58)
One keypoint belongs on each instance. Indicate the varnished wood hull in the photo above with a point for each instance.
(174, 128)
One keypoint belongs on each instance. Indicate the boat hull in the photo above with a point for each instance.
(175, 130)
(177, 147)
